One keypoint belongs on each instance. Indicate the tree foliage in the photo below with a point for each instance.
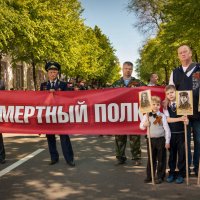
(178, 23)
(36, 31)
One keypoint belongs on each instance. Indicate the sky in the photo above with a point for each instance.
(112, 17)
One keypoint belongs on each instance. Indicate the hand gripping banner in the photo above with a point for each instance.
(107, 112)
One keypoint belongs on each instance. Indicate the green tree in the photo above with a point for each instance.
(8, 21)
(156, 57)
(108, 62)
(88, 52)
(45, 30)
(37, 31)
(174, 23)
(183, 24)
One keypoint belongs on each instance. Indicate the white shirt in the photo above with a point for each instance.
(151, 84)
(166, 112)
(171, 82)
(165, 126)
(53, 83)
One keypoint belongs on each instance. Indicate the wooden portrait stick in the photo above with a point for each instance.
(198, 179)
(186, 154)
(150, 152)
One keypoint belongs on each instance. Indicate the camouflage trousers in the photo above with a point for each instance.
(120, 146)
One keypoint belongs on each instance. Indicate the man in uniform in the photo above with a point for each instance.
(54, 84)
(120, 140)
(2, 150)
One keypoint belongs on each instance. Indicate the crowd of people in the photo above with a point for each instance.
(166, 128)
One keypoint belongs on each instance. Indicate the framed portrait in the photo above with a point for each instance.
(145, 101)
(184, 102)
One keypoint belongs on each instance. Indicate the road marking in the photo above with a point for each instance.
(19, 162)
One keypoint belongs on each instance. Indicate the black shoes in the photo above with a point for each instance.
(121, 160)
(71, 163)
(158, 181)
(2, 161)
(53, 162)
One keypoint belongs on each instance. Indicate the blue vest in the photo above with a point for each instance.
(176, 127)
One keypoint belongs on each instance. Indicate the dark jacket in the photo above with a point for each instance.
(132, 83)
(59, 86)
(183, 82)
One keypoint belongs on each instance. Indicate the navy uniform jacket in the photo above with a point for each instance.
(59, 86)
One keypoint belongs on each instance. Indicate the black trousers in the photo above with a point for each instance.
(2, 150)
(177, 147)
(158, 157)
(66, 147)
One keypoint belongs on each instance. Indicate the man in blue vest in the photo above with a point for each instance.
(187, 77)
(2, 149)
(54, 84)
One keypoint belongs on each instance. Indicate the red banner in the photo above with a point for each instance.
(107, 111)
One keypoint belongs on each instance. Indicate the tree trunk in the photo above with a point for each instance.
(196, 57)
(34, 76)
(166, 74)
(0, 67)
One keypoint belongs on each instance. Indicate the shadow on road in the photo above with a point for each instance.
(95, 176)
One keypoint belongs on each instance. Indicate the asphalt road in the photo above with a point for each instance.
(95, 176)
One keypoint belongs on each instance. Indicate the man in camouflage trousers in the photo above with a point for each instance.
(121, 140)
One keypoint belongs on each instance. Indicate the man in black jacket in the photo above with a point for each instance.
(54, 84)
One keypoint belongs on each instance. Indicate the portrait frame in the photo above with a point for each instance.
(199, 101)
(145, 101)
(184, 102)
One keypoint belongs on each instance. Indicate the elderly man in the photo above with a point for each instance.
(187, 77)
(120, 140)
(54, 84)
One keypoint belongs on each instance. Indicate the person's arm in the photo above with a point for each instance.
(173, 119)
(178, 119)
(144, 123)
(166, 112)
(167, 132)
(171, 79)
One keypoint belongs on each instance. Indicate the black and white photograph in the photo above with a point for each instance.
(184, 102)
(145, 101)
